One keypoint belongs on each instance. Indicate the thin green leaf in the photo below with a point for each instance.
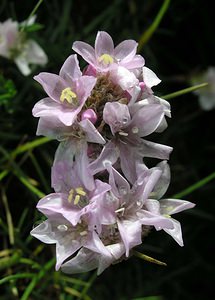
(184, 91)
(43, 272)
(8, 217)
(148, 258)
(149, 32)
(195, 186)
(15, 277)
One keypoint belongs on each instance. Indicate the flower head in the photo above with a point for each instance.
(105, 57)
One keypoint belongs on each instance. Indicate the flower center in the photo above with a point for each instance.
(77, 194)
(68, 95)
(106, 59)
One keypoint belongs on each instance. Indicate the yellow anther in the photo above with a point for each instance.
(82, 233)
(80, 191)
(167, 216)
(77, 199)
(106, 59)
(68, 95)
(71, 194)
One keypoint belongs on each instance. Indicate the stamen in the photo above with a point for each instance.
(71, 194)
(68, 95)
(82, 233)
(62, 227)
(135, 129)
(106, 59)
(167, 216)
(122, 209)
(80, 191)
(77, 199)
(123, 133)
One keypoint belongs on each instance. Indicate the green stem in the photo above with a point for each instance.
(148, 258)
(32, 13)
(184, 91)
(195, 186)
(16, 276)
(37, 278)
(149, 32)
(8, 217)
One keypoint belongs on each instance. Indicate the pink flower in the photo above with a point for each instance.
(67, 92)
(105, 57)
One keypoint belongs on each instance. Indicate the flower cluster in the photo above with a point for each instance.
(106, 199)
(15, 45)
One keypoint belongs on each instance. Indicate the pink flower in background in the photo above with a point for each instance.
(16, 46)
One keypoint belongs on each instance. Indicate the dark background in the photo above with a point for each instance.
(182, 45)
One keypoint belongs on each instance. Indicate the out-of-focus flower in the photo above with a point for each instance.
(15, 45)
(206, 95)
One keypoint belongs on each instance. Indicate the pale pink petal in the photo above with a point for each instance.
(126, 50)
(147, 119)
(150, 78)
(109, 154)
(52, 84)
(86, 51)
(150, 149)
(130, 232)
(70, 69)
(175, 233)
(136, 62)
(173, 206)
(103, 44)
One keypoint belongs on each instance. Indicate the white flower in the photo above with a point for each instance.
(15, 46)
(206, 94)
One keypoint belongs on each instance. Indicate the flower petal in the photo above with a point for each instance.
(86, 51)
(52, 84)
(126, 50)
(70, 69)
(150, 78)
(174, 206)
(103, 44)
